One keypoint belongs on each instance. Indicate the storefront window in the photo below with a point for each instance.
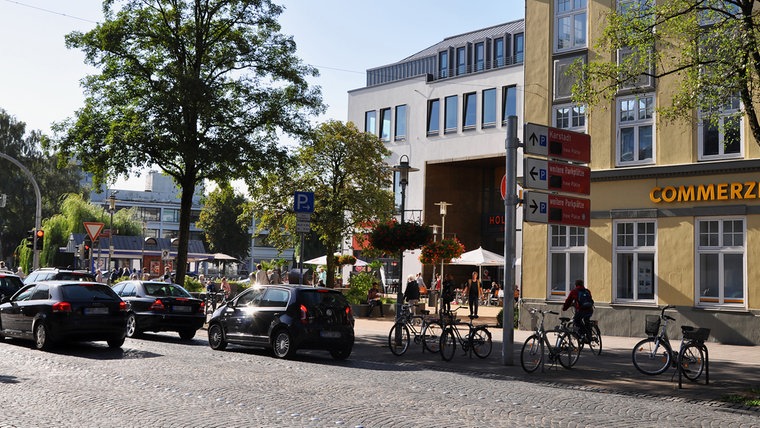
(567, 259)
(635, 249)
(720, 270)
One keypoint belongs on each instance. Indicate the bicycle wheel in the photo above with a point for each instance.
(692, 360)
(398, 344)
(532, 353)
(595, 343)
(448, 344)
(651, 356)
(431, 336)
(568, 349)
(481, 342)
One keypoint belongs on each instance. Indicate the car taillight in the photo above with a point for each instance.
(304, 315)
(158, 305)
(122, 306)
(202, 307)
(62, 307)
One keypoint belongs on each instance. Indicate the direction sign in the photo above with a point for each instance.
(93, 229)
(303, 202)
(556, 143)
(561, 176)
(557, 209)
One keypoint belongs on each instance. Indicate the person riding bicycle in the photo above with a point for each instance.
(580, 298)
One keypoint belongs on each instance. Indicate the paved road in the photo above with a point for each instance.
(162, 382)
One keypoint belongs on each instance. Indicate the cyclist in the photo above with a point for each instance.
(580, 298)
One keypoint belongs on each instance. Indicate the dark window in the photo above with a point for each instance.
(489, 107)
(89, 292)
(275, 297)
(41, 293)
(519, 47)
(450, 113)
(470, 110)
(434, 114)
(461, 61)
(480, 56)
(508, 102)
(400, 131)
(370, 118)
(385, 124)
(443, 64)
(498, 52)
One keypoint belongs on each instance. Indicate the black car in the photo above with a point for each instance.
(285, 318)
(53, 311)
(159, 306)
(10, 283)
(57, 274)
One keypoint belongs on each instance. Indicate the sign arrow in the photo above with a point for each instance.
(533, 173)
(533, 205)
(533, 139)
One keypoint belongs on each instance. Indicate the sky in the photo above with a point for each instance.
(39, 76)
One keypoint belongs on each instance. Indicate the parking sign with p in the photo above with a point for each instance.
(303, 202)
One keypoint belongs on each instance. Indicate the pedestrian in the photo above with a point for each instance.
(145, 274)
(474, 292)
(274, 277)
(167, 275)
(448, 293)
(374, 300)
(580, 298)
(225, 288)
(20, 273)
(261, 275)
(412, 293)
(2, 265)
(98, 275)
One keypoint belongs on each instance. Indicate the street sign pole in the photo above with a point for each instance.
(510, 236)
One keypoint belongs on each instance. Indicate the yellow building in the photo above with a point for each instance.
(675, 214)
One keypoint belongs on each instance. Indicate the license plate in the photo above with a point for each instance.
(95, 311)
(183, 309)
(331, 334)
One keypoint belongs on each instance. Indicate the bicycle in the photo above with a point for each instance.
(654, 355)
(425, 330)
(595, 341)
(477, 340)
(566, 349)
(214, 300)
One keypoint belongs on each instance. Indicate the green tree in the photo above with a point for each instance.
(18, 215)
(710, 48)
(345, 169)
(225, 222)
(199, 88)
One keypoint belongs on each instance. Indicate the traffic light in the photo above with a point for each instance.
(30, 240)
(40, 239)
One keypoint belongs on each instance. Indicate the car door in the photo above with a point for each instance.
(10, 311)
(272, 305)
(28, 309)
(239, 314)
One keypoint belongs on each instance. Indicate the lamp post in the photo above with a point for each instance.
(443, 205)
(403, 168)
(111, 209)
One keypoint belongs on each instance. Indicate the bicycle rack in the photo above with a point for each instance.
(698, 337)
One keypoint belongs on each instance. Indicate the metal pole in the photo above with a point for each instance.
(400, 293)
(37, 210)
(510, 232)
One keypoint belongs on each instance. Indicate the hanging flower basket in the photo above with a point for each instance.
(441, 251)
(346, 259)
(393, 237)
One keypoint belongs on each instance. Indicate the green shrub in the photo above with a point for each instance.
(193, 285)
(500, 318)
(358, 287)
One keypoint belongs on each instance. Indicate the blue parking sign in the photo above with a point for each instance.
(303, 202)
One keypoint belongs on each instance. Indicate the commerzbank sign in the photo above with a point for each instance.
(706, 192)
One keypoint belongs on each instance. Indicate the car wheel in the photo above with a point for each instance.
(341, 353)
(216, 337)
(42, 340)
(186, 334)
(282, 345)
(116, 341)
(132, 326)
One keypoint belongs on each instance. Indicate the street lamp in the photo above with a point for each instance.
(403, 168)
(442, 205)
(111, 209)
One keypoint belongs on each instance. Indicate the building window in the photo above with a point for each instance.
(461, 61)
(370, 122)
(564, 78)
(567, 259)
(149, 214)
(434, 117)
(633, 260)
(443, 64)
(385, 124)
(720, 136)
(450, 114)
(720, 261)
(635, 129)
(400, 130)
(480, 56)
(570, 116)
(508, 103)
(469, 115)
(498, 52)
(489, 108)
(629, 59)
(519, 48)
(570, 24)
(170, 215)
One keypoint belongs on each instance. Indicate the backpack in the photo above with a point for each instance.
(584, 299)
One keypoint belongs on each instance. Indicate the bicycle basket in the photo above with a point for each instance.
(652, 325)
(697, 334)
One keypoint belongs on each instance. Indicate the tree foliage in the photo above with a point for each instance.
(345, 169)
(710, 48)
(225, 219)
(198, 88)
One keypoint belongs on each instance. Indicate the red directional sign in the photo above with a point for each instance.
(556, 143)
(560, 176)
(557, 209)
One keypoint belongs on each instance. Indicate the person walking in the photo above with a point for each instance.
(412, 293)
(474, 292)
(261, 275)
(448, 293)
(580, 298)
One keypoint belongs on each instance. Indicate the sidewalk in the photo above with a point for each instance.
(732, 369)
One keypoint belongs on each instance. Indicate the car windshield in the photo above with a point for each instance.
(75, 276)
(87, 292)
(320, 297)
(161, 289)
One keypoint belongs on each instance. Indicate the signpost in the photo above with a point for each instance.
(560, 176)
(557, 143)
(303, 205)
(557, 209)
(93, 229)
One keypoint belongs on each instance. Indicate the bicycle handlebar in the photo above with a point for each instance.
(667, 317)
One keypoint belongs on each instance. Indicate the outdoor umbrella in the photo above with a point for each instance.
(479, 258)
(323, 261)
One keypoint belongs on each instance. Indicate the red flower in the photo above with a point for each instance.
(393, 237)
(441, 251)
